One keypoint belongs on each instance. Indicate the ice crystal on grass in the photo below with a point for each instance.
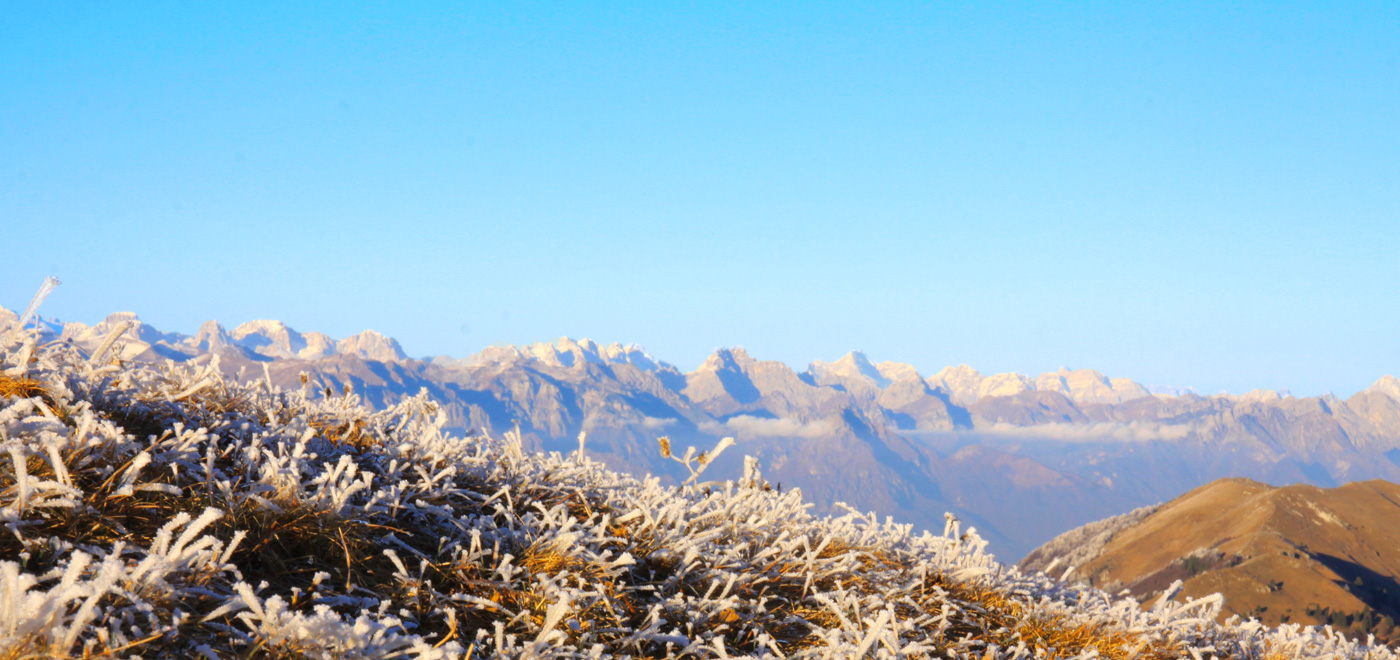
(166, 512)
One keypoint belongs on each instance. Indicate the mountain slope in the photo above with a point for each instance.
(1296, 553)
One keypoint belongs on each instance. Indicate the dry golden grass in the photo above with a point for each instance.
(20, 387)
(351, 433)
(1005, 621)
(28, 388)
(550, 559)
(285, 546)
(30, 650)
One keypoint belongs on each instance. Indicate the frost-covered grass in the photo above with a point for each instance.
(162, 511)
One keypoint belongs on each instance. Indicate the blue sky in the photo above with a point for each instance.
(1202, 195)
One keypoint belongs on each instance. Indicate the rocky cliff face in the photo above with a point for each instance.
(965, 385)
(369, 345)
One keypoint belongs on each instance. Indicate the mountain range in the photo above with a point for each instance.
(1022, 458)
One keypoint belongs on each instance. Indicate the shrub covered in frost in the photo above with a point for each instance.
(166, 512)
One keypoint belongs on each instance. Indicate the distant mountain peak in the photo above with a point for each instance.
(259, 326)
(370, 345)
(857, 358)
(567, 353)
(212, 337)
(1388, 385)
(269, 337)
(960, 370)
(966, 385)
(735, 358)
(896, 371)
(118, 317)
(851, 368)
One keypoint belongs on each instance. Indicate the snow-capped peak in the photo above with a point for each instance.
(566, 352)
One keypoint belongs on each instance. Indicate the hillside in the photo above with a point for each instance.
(164, 511)
(1291, 554)
(1022, 458)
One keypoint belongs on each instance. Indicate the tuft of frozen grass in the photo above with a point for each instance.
(163, 512)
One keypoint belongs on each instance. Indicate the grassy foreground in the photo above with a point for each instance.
(163, 511)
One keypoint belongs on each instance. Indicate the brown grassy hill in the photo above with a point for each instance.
(1291, 554)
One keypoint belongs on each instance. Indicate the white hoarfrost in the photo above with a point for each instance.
(165, 512)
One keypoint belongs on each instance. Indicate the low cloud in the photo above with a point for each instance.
(1096, 432)
(657, 423)
(1093, 432)
(762, 427)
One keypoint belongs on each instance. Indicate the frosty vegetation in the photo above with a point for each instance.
(163, 511)
(1081, 544)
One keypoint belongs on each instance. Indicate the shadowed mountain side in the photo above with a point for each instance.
(910, 403)
(731, 382)
(1020, 494)
(1027, 408)
(891, 391)
(1297, 553)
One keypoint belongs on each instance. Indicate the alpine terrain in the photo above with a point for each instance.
(1021, 458)
(162, 510)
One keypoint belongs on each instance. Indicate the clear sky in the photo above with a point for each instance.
(1202, 195)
